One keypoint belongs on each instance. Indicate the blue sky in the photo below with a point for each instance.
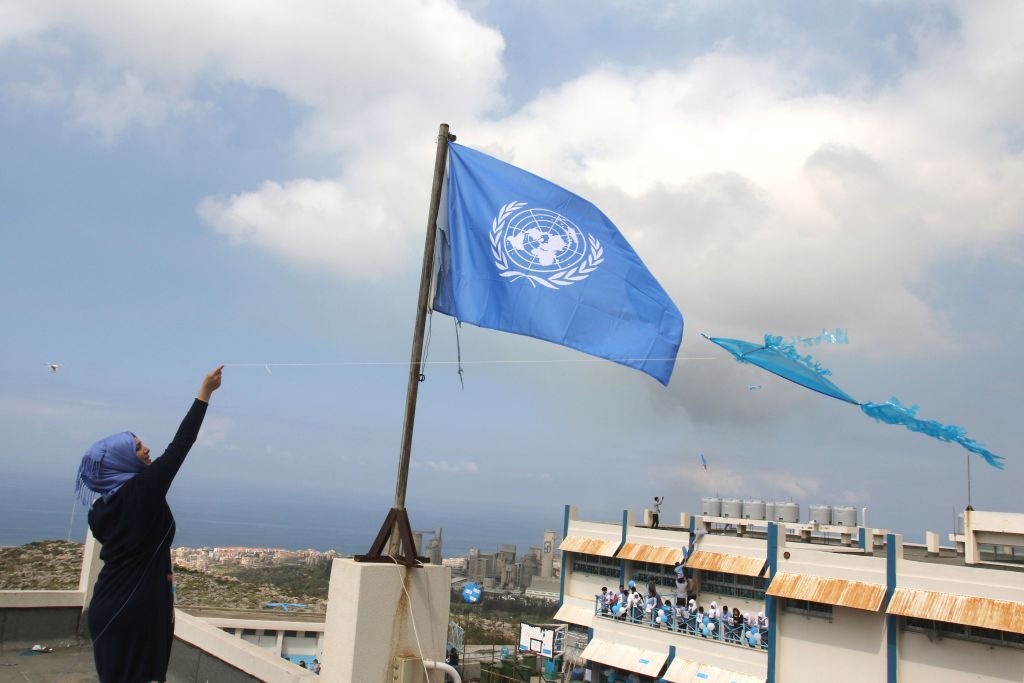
(190, 185)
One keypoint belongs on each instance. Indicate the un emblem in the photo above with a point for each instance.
(543, 247)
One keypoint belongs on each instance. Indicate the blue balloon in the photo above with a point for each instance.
(632, 583)
(707, 620)
(705, 632)
(471, 593)
(752, 642)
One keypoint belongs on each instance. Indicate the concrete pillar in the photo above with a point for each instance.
(932, 541)
(377, 612)
(91, 566)
(648, 516)
(971, 554)
(547, 562)
(684, 520)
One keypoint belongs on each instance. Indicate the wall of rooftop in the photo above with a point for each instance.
(812, 645)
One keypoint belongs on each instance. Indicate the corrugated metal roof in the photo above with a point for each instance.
(1002, 615)
(687, 671)
(657, 554)
(589, 546)
(575, 615)
(830, 591)
(730, 564)
(638, 660)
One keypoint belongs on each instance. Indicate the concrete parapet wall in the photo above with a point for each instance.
(47, 617)
(203, 652)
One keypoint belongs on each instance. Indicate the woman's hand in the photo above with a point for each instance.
(211, 383)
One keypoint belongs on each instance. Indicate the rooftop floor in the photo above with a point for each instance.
(63, 665)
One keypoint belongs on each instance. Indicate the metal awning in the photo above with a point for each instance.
(635, 659)
(729, 564)
(830, 591)
(589, 546)
(575, 615)
(1001, 615)
(658, 554)
(687, 671)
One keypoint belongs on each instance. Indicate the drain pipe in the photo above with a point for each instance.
(442, 666)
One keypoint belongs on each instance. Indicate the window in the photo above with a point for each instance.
(736, 585)
(944, 629)
(248, 631)
(311, 634)
(596, 564)
(663, 575)
(807, 608)
(270, 632)
(290, 634)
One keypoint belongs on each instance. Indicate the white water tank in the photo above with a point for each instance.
(732, 507)
(822, 514)
(786, 511)
(711, 507)
(769, 512)
(844, 515)
(753, 509)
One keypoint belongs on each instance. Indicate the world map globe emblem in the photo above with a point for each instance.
(543, 241)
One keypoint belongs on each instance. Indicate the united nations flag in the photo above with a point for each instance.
(523, 255)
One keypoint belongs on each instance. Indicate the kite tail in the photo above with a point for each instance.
(788, 349)
(840, 336)
(894, 413)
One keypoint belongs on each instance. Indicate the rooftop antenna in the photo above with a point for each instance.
(969, 507)
(396, 531)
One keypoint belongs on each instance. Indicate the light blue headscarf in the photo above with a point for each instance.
(107, 466)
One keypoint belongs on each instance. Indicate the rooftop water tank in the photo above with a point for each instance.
(753, 509)
(844, 515)
(732, 507)
(787, 511)
(822, 514)
(711, 507)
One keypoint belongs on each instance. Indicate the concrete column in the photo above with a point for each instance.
(377, 612)
(280, 642)
(684, 520)
(648, 516)
(91, 566)
(971, 554)
(932, 541)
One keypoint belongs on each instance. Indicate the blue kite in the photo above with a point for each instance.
(781, 358)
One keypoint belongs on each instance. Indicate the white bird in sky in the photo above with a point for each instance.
(53, 366)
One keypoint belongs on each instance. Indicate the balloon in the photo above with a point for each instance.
(757, 638)
(471, 593)
(711, 627)
(704, 632)
(753, 643)
(663, 619)
(632, 583)
(707, 620)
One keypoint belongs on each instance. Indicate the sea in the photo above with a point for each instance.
(266, 520)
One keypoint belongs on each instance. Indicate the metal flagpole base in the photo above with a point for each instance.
(398, 519)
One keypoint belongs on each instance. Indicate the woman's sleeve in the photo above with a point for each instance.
(158, 476)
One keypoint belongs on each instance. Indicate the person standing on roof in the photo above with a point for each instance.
(657, 511)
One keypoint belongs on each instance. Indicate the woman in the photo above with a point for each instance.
(131, 616)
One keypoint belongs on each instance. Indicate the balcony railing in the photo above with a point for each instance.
(693, 625)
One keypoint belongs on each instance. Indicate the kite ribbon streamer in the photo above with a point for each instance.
(894, 413)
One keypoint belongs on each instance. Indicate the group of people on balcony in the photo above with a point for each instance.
(685, 616)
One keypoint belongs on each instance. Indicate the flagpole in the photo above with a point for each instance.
(396, 530)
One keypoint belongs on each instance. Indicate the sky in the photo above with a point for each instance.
(247, 183)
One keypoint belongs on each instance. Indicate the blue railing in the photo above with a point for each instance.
(694, 625)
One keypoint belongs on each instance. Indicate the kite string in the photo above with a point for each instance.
(461, 362)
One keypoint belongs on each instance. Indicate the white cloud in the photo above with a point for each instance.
(761, 484)
(466, 466)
